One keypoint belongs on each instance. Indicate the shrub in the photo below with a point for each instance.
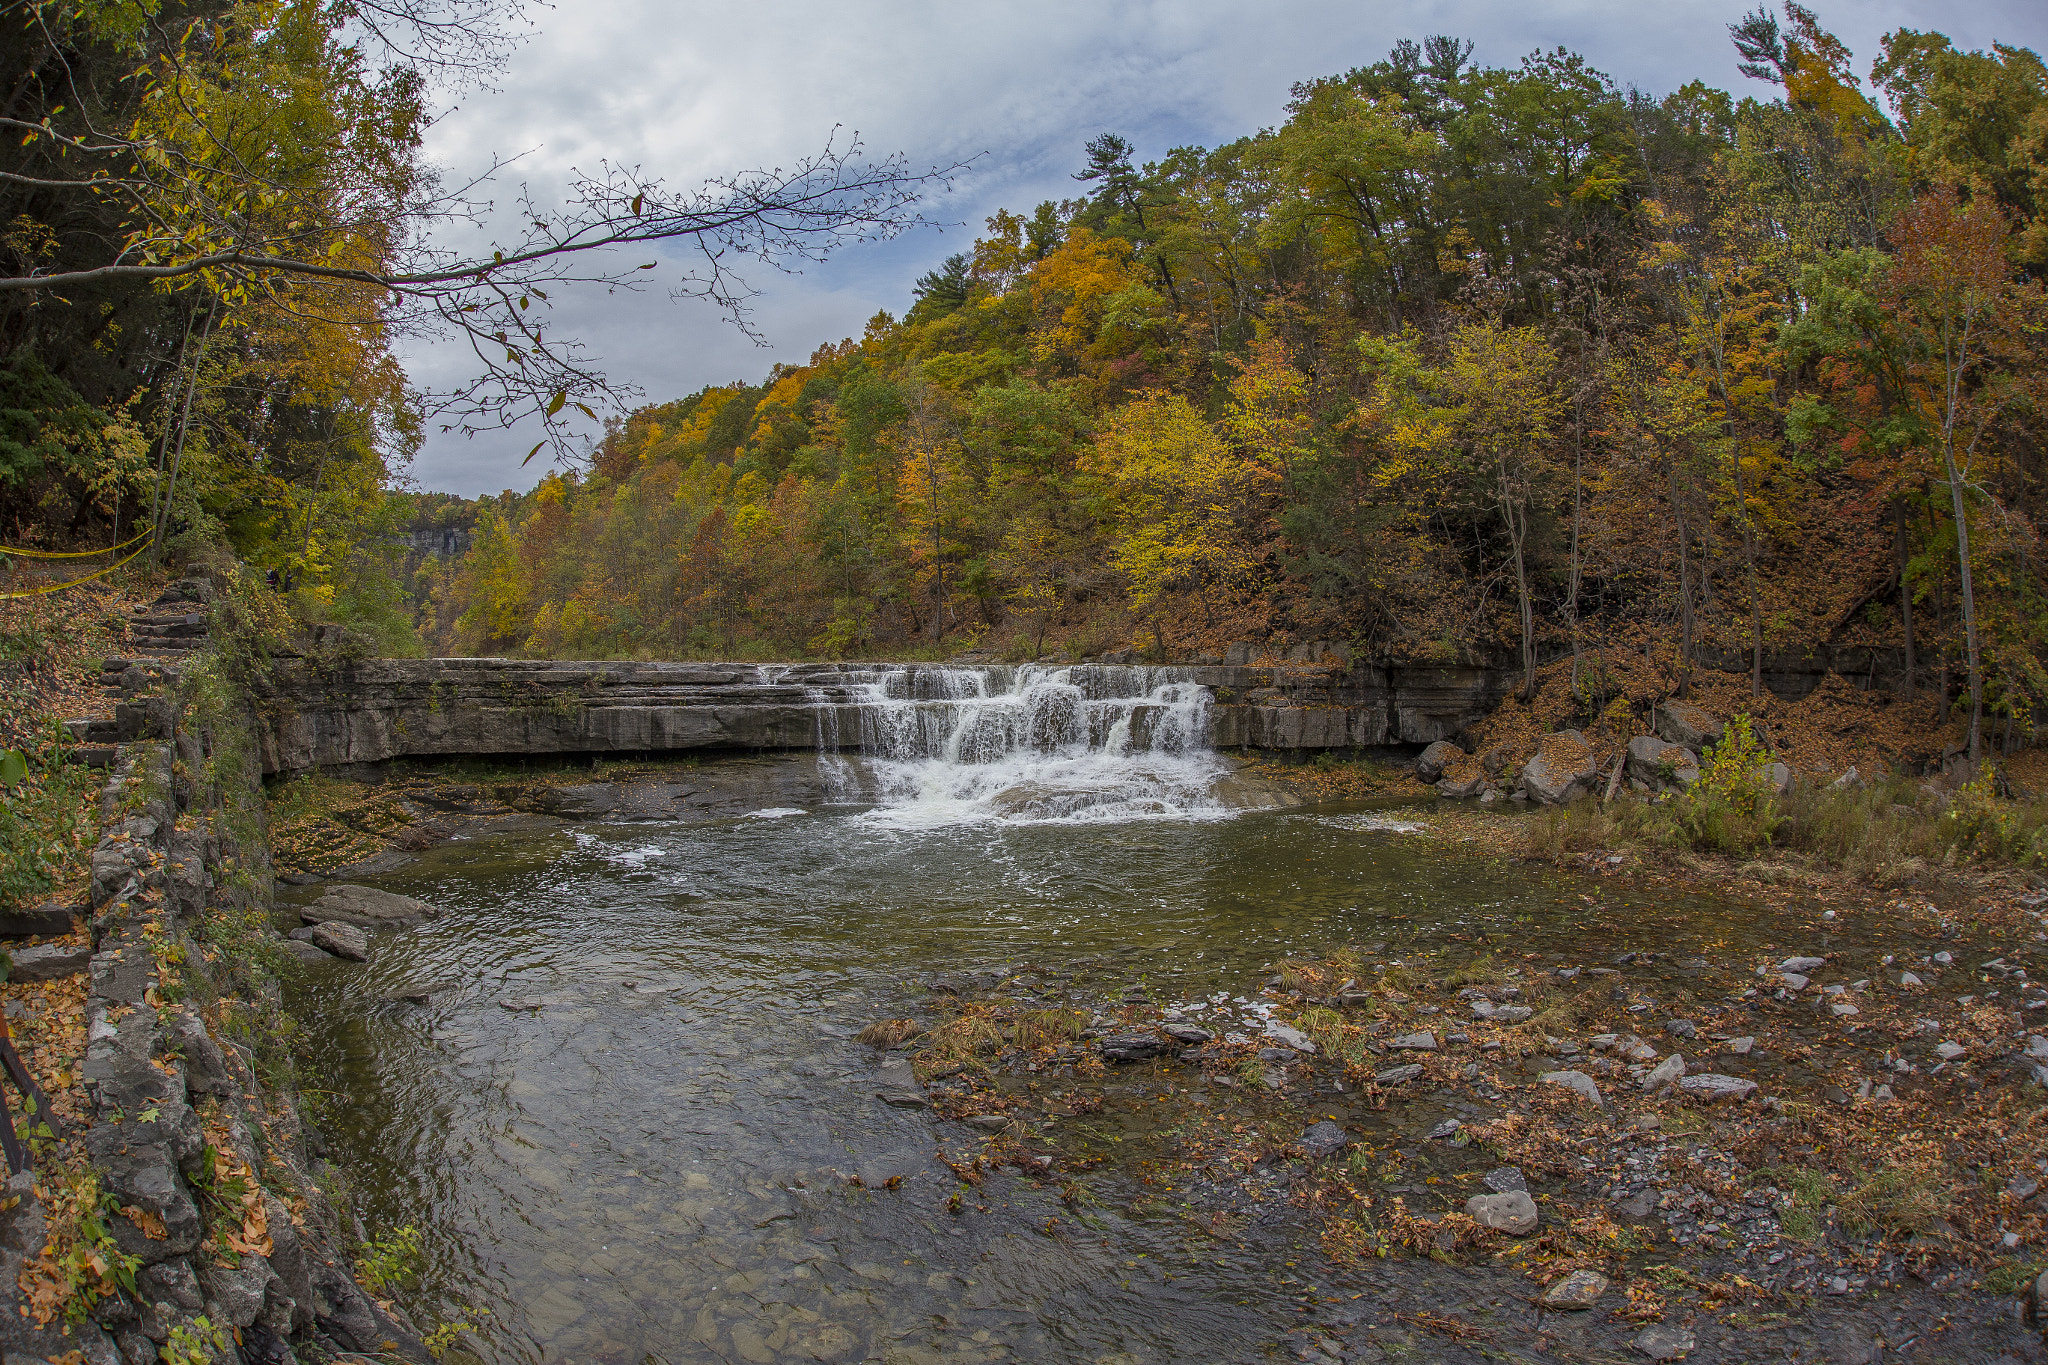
(1730, 807)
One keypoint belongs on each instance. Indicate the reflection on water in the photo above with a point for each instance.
(654, 1165)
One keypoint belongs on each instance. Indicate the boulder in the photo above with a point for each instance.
(1681, 722)
(366, 907)
(1658, 763)
(1666, 1072)
(1563, 767)
(1779, 776)
(1710, 1086)
(1397, 1075)
(1458, 788)
(1436, 758)
(1414, 1042)
(306, 952)
(342, 940)
(1576, 1081)
(1513, 1212)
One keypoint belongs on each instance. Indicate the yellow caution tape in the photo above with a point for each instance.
(70, 554)
(59, 587)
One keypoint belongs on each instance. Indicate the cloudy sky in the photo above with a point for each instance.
(694, 89)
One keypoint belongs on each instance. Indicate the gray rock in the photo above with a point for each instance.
(1504, 1180)
(206, 1066)
(1414, 1042)
(988, 1123)
(1681, 1028)
(1430, 765)
(1949, 1051)
(1681, 722)
(1793, 981)
(306, 952)
(1712, 1086)
(1512, 1014)
(1664, 1341)
(1847, 781)
(1563, 767)
(342, 939)
(1513, 1212)
(1397, 1075)
(365, 907)
(1459, 788)
(1448, 1128)
(1291, 1036)
(1802, 964)
(1658, 763)
(1666, 1072)
(1741, 1047)
(1580, 1289)
(1577, 1081)
(1187, 1033)
(1779, 776)
(1323, 1139)
(50, 962)
(1131, 1047)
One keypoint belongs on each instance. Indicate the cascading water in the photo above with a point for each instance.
(1082, 743)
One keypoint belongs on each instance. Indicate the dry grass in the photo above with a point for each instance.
(888, 1033)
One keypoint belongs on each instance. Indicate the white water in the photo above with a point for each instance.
(941, 746)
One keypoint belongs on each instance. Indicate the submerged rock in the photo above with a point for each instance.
(1580, 1289)
(1323, 1139)
(1131, 1047)
(342, 940)
(365, 907)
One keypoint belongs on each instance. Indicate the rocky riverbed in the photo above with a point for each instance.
(1578, 1116)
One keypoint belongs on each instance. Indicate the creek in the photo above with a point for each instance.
(615, 1085)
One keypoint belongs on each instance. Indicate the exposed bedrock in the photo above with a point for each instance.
(372, 710)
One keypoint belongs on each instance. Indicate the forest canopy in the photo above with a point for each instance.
(1455, 362)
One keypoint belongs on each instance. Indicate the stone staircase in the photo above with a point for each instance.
(159, 635)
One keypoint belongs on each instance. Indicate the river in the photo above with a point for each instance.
(624, 1107)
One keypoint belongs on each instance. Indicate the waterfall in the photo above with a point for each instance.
(938, 745)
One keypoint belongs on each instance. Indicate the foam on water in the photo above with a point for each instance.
(1080, 744)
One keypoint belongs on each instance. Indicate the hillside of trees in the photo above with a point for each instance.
(1457, 361)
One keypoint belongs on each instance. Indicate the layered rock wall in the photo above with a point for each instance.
(314, 714)
(373, 710)
(208, 1174)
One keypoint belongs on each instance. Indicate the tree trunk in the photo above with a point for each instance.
(1756, 619)
(1969, 596)
(1685, 617)
(1905, 591)
(1518, 529)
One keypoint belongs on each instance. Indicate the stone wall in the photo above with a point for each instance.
(213, 1172)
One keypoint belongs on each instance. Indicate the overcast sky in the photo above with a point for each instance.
(690, 90)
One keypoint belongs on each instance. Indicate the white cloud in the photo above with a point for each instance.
(692, 91)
